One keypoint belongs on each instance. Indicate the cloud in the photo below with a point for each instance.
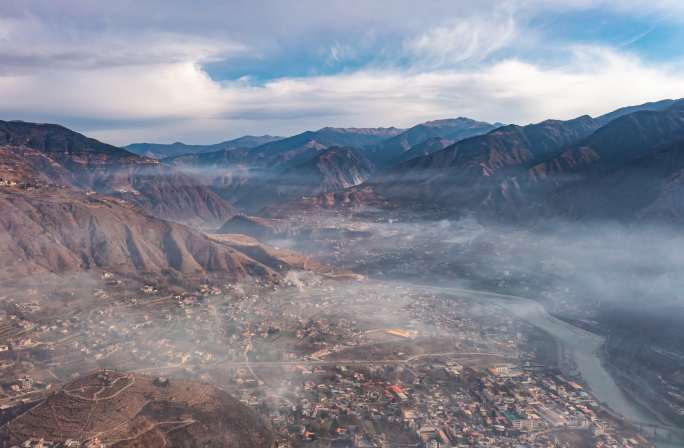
(470, 40)
(30, 45)
(143, 76)
(667, 9)
(184, 100)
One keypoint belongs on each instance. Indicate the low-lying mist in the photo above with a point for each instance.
(630, 275)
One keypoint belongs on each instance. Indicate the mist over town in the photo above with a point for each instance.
(341, 224)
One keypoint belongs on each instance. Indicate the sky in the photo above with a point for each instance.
(204, 71)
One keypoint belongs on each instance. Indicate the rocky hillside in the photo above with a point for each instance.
(251, 179)
(60, 230)
(334, 169)
(631, 169)
(52, 154)
(468, 174)
(425, 148)
(130, 410)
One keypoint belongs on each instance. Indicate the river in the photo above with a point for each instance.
(583, 345)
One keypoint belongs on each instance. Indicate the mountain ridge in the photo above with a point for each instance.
(453, 129)
(87, 164)
(63, 230)
(161, 150)
(529, 172)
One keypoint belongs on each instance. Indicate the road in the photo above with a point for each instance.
(340, 362)
(356, 362)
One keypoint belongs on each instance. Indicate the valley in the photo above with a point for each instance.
(318, 357)
(324, 355)
(341, 224)
(346, 287)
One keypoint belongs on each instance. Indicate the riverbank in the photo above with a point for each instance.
(626, 385)
(632, 389)
(584, 346)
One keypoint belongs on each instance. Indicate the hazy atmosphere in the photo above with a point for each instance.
(315, 224)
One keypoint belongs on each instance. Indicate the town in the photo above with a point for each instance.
(327, 363)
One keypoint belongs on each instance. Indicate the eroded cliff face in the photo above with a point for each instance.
(63, 230)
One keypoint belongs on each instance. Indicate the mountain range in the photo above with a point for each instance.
(252, 178)
(72, 203)
(623, 165)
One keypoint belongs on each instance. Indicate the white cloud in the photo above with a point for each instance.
(180, 100)
(29, 45)
(667, 9)
(471, 39)
(121, 79)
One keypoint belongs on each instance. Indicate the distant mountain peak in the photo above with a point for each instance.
(369, 132)
(450, 122)
(453, 129)
(56, 139)
(163, 151)
(355, 129)
(655, 106)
